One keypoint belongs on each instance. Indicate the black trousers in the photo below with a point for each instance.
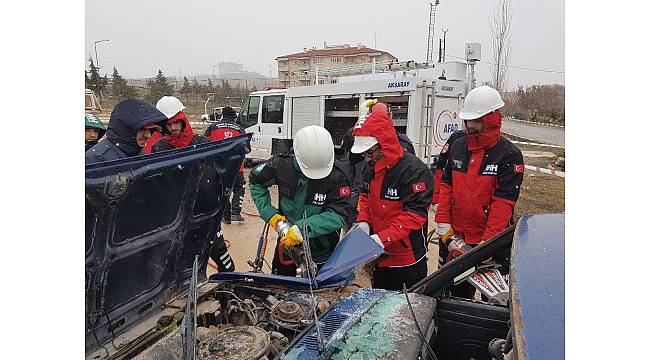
(237, 191)
(219, 254)
(392, 278)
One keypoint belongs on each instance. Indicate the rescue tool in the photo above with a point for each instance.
(486, 277)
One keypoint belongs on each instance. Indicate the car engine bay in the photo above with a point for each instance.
(239, 322)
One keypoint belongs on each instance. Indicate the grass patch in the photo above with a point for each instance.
(540, 194)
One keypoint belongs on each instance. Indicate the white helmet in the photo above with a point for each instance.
(480, 101)
(314, 151)
(169, 106)
(363, 143)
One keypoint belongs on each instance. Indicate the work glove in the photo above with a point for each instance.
(434, 207)
(370, 102)
(364, 226)
(275, 219)
(293, 237)
(444, 231)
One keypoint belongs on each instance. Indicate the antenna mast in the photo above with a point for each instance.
(432, 21)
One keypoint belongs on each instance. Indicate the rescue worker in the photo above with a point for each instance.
(394, 202)
(481, 179)
(356, 160)
(311, 180)
(176, 132)
(131, 124)
(226, 128)
(94, 130)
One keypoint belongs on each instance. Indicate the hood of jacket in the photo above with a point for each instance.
(129, 116)
(185, 137)
(489, 137)
(379, 126)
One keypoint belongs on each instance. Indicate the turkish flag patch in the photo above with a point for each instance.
(344, 191)
(519, 168)
(419, 187)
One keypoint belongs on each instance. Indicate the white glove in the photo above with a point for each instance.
(364, 226)
(444, 231)
(377, 239)
(434, 207)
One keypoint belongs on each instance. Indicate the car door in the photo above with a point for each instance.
(272, 122)
(249, 120)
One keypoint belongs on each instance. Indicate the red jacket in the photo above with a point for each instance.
(395, 196)
(480, 183)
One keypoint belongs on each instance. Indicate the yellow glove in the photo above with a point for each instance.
(293, 237)
(274, 220)
(370, 102)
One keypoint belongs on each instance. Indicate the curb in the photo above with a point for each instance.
(537, 144)
(532, 141)
(545, 171)
(535, 123)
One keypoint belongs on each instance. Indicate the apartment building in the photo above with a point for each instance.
(300, 69)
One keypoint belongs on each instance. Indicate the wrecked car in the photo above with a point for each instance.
(149, 224)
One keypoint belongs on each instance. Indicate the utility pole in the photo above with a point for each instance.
(432, 22)
(444, 44)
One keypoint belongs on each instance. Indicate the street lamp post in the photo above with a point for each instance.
(95, 43)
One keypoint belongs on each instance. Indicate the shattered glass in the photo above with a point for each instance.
(371, 338)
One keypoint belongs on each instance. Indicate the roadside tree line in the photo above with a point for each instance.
(539, 103)
(192, 93)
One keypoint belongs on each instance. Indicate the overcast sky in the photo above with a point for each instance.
(190, 36)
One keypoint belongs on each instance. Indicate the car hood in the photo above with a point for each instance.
(147, 217)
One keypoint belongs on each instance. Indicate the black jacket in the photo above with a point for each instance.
(120, 142)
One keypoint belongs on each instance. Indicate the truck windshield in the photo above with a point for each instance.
(249, 111)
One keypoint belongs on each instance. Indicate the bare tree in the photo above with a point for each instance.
(500, 23)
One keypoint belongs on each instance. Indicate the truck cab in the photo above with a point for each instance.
(92, 104)
(262, 114)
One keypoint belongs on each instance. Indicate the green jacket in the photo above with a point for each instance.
(327, 201)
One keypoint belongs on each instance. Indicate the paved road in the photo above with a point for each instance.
(547, 134)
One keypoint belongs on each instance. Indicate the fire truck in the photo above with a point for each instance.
(425, 102)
